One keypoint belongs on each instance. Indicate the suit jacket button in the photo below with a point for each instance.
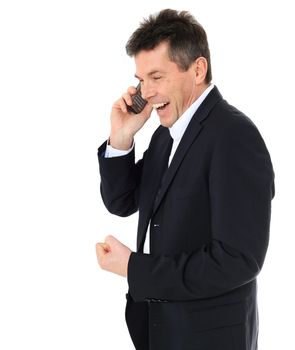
(156, 225)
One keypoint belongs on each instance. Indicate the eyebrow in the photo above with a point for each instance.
(149, 74)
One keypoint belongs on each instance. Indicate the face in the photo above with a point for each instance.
(168, 88)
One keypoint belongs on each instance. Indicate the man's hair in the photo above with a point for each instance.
(187, 39)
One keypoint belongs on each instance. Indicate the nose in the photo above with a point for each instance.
(147, 91)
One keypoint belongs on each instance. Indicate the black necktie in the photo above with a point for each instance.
(164, 167)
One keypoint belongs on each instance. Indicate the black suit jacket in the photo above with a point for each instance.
(209, 231)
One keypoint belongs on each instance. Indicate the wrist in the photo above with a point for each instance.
(121, 142)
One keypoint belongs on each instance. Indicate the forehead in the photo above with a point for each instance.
(157, 59)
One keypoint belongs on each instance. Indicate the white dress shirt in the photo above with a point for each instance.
(176, 131)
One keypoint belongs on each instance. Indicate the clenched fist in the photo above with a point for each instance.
(113, 256)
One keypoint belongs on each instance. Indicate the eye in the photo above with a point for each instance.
(157, 77)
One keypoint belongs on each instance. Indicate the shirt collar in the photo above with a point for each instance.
(178, 128)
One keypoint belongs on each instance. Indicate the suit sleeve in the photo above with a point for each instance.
(241, 186)
(120, 178)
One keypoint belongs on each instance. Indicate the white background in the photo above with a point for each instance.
(62, 64)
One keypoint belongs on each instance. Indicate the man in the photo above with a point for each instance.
(204, 198)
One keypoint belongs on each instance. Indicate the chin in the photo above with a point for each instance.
(166, 123)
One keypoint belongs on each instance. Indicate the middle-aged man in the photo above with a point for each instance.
(203, 190)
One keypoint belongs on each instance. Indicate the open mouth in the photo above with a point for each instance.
(160, 106)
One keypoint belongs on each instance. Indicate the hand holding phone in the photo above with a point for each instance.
(138, 103)
(127, 120)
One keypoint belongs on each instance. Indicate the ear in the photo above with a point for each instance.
(200, 67)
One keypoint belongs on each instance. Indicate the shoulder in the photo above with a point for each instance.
(226, 114)
(229, 123)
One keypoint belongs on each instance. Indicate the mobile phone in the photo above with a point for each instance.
(138, 103)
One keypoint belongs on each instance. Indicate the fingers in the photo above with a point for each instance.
(113, 256)
(126, 99)
(113, 243)
(102, 250)
(110, 240)
(131, 90)
(104, 246)
(121, 105)
(110, 245)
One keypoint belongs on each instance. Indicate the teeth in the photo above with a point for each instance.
(158, 105)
